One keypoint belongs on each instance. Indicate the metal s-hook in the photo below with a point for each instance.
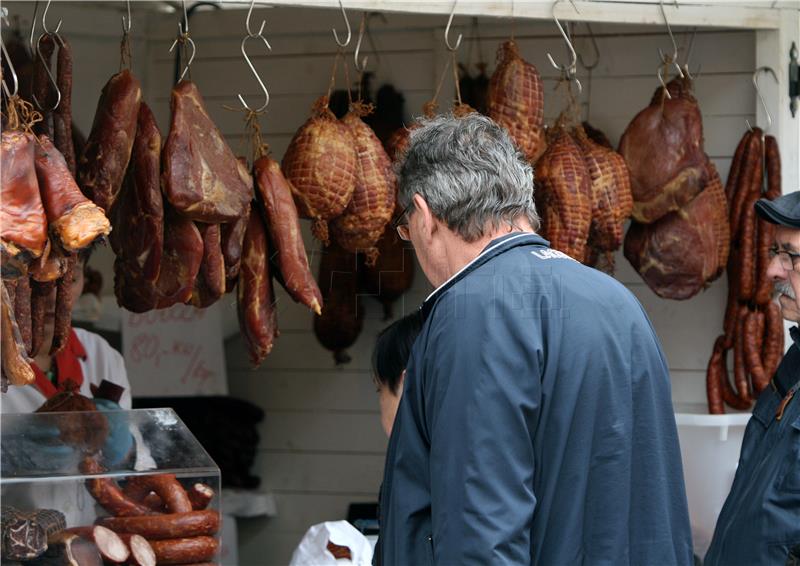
(44, 20)
(596, 51)
(183, 37)
(15, 79)
(251, 35)
(451, 47)
(346, 42)
(50, 76)
(665, 59)
(568, 71)
(761, 97)
(362, 65)
(126, 23)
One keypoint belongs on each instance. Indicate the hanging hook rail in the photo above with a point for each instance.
(183, 38)
(360, 66)
(568, 71)
(451, 47)
(126, 22)
(251, 35)
(669, 59)
(14, 78)
(346, 42)
(771, 71)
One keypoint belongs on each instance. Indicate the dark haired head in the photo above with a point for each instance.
(393, 348)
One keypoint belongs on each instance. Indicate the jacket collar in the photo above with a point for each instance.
(493, 249)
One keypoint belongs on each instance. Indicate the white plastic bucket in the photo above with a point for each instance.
(710, 446)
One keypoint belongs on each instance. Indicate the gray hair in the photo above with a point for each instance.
(469, 172)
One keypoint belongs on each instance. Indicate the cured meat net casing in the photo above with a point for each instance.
(256, 300)
(23, 225)
(516, 100)
(680, 254)
(663, 148)
(73, 219)
(202, 179)
(285, 236)
(363, 221)
(563, 195)
(612, 201)
(107, 152)
(321, 165)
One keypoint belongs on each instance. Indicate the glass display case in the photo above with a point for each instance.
(83, 488)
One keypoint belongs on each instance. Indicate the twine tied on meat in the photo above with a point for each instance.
(21, 115)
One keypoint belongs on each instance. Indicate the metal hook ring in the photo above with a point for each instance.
(50, 76)
(771, 71)
(255, 73)
(346, 42)
(44, 20)
(362, 65)
(11, 68)
(451, 47)
(127, 22)
(572, 67)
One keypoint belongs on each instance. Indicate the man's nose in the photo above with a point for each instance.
(775, 271)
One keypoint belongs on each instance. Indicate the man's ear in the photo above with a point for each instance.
(428, 222)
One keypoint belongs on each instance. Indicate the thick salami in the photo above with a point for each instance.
(284, 230)
(167, 526)
(772, 347)
(141, 551)
(105, 157)
(773, 159)
(739, 364)
(108, 543)
(185, 550)
(22, 310)
(15, 361)
(63, 314)
(42, 295)
(765, 232)
(62, 116)
(736, 166)
(747, 254)
(714, 378)
(109, 495)
(753, 328)
(749, 175)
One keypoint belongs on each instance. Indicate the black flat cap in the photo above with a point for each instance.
(784, 211)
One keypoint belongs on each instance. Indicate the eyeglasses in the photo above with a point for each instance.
(401, 223)
(789, 261)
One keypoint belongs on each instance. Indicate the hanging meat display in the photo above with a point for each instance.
(663, 148)
(256, 299)
(563, 193)
(516, 100)
(371, 206)
(294, 273)
(180, 260)
(658, 251)
(105, 157)
(202, 179)
(321, 163)
(612, 201)
(138, 220)
(342, 319)
(753, 325)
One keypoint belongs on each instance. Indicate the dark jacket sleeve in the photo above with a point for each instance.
(481, 408)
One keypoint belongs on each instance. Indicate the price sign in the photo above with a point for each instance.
(175, 351)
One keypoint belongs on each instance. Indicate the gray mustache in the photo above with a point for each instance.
(784, 288)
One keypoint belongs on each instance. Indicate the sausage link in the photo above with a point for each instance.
(714, 378)
(766, 237)
(200, 495)
(62, 116)
(167, 526)
(41, 85)
(41, 297)
(109, 495)
(736, 166)
(141, 550)
(773, 339)
(747, 273)
(63, 317)
(166, 486)
(185, 550)
(739, 368)
(108, 543)
(754, 321)
(773, 158)
(747, 175)
(22, 310)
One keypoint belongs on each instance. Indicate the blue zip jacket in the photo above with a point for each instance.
(760, 521)
(536, 424)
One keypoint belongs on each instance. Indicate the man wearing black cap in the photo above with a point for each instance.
(760, 521)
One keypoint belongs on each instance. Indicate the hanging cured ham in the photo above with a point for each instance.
(74, 220)
(663, 148)
(516, 100)
(180, 260)
(363, 221)
(282, 221)
(105, 156)
(202, 179)
(209, 285)
(138, 219)
(23, 225)
(321, 163)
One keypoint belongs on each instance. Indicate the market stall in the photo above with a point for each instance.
(320, 446)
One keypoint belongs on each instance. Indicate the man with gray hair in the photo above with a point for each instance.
(536, 424)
